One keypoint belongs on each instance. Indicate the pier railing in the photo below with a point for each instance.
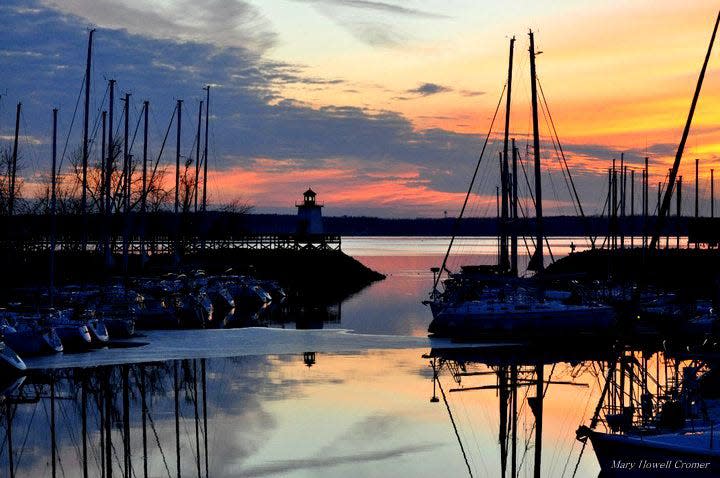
(159, 233)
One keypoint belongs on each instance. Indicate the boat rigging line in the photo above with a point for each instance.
(665, 208)
(452, 419)
(456, 224)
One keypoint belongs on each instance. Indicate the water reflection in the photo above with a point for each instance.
(78, 421)
(606, 389)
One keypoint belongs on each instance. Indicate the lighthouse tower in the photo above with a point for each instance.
(309, 215)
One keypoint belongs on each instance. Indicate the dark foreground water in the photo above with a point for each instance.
(302, 403)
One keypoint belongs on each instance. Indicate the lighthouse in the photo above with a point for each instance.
(309, 217)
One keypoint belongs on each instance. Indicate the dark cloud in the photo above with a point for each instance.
(385, 7)
(226, 23)
(285, 466)
(425, 89)
(471, 93)
(367, 20)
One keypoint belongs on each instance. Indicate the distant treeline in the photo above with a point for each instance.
(374, 226)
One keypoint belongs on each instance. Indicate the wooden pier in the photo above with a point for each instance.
(153, 234)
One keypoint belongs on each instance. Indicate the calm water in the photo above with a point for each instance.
(258, 402)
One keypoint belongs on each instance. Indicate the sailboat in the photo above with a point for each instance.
(492, 301)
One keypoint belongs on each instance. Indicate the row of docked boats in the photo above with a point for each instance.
(494, 306)
(89, 317)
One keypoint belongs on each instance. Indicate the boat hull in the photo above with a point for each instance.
(622, 455)
(465, 322)
(10, 362)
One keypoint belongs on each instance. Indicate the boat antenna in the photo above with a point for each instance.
(663, 212)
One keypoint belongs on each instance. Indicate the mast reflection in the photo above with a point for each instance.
(112, 405)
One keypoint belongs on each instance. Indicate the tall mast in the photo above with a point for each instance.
(126, 156)
(504, 167)
(53, 219)
(632, 208)
(126, 186)
(143, 196)
(536, 145)
(86, 120)
(697, 190)
(143, 193)
(538, 418)
(679, 210)
(646, 200)
(632, 193)
(111, 150)
(177, 156)
(13, 165)
(712, 193)
(205, 151)
(103, 145)
(663, 212)
(622, 184)
(197, 156)
(108, 174)
(514, 203)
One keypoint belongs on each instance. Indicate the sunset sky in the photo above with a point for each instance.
(380, 106)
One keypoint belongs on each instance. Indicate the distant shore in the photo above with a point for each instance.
(480, 226)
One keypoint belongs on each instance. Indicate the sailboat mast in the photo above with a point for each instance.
(108, 174)
(197, 156)
(177, 156)
(539, 395)
(514, 203)
(697, 187)
(712, 193)
(205, 151)
(13, 165)
(53, 219)
(665, 207)
(103, 146)
(86, 120)
(111, 149)
(505, 180)
(143, 196)
(126, 156)
(536, 145)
